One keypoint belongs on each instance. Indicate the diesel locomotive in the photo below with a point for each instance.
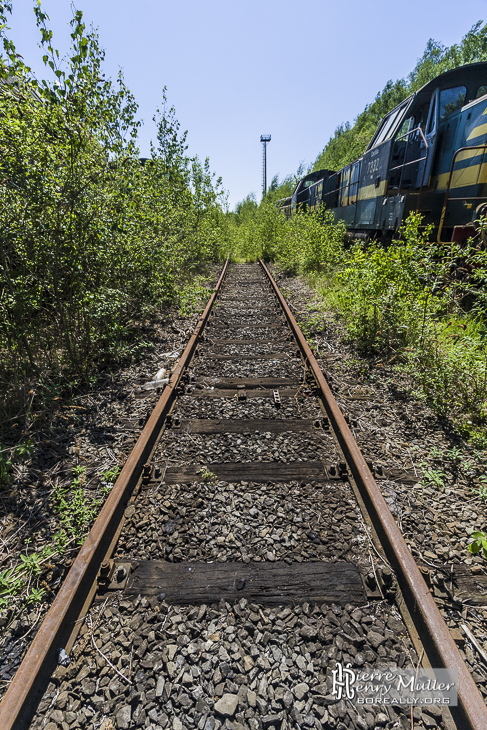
(428, 155)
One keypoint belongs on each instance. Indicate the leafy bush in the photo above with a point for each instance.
(383, 293)
(305, 242)
(90, 236)
(407, 302)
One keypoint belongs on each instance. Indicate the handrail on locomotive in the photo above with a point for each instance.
(416, 132)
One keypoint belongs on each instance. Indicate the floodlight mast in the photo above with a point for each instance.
(265, 139)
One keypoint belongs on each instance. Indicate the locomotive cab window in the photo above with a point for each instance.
(451, 100)
(403, 140)
(405, 127)
(389, 125)
(481, 91)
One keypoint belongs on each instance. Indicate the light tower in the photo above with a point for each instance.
(265, 139)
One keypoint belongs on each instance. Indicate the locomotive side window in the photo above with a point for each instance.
(451, 100)
(344, 187)
(405, 127)
(354, 180)
(481, 91)
(386, 128)
(389, 124)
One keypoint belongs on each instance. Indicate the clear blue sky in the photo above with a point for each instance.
(237, 69)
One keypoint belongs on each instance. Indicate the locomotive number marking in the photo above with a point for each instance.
(373, 166)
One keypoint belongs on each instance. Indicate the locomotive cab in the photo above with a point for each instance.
(300, 199)
(417, 159)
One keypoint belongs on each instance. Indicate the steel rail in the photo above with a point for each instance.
(442, 651)
(33, 675)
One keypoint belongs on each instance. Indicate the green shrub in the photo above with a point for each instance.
(90, 238)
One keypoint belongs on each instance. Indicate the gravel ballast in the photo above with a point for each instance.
(140, 662)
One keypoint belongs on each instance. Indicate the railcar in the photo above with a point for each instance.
(428, 155)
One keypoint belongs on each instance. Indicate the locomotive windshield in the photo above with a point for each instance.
(390, 123)
(451, 100)
(405, 127)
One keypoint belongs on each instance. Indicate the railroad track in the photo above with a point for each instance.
(244, 550)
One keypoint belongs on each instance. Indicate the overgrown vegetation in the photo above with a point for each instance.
(414, 304)
(410, 304)
(75, 509)
(94, 240)
(91, 237)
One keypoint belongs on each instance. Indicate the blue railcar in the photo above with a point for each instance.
(429, 155)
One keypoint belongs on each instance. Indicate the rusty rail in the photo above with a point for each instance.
(434, 633)
(34, 673)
